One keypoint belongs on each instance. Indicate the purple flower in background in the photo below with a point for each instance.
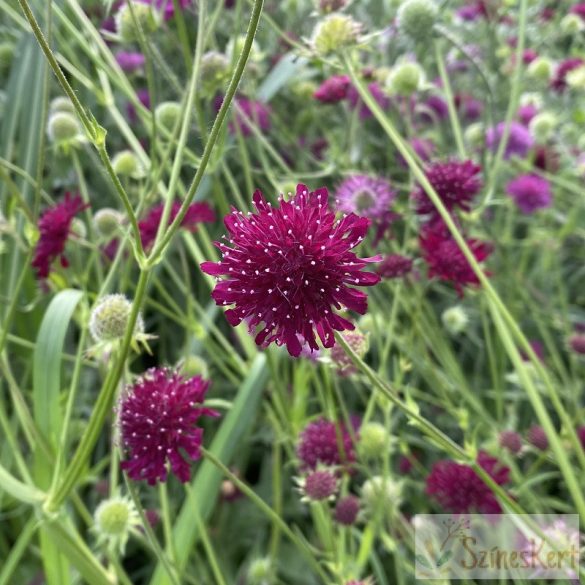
(167, 6)
(377, 93)
(364, 195)
(559, 81)
(130, 61)
(434, 109)
(333, 90)
(526, 113)
(423, 147)
(144, 99)
(530, 193)
(520, 141)
(248, 112)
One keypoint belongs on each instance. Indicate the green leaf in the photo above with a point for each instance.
(286, 69)
(208, 479)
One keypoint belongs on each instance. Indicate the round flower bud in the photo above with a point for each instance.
(359, 344)
(61, 104)
(381, 494)
(537, 437)
(63, 127)
(78, 228)
(540, 69)
(167, 114)
(304, 89)
(542, 126)
(236, 44)
(319, 485)
(347, 510)
(142, 14)
(193, 366)
(334, 33)
(416, 18)
(109, 318)
(576, 78)
(107, 221)
(326, 6)
(511, 441)
(374, 441)
(571, 24)
(126, 164)
(455, 319)
(405, 79)
(215, 68)
(114, 518)
(6, 55)
(260, 572)
(577, 343)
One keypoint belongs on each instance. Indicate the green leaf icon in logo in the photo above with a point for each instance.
(444, 557)
(423, 561)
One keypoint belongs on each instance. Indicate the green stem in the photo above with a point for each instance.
(213, 135)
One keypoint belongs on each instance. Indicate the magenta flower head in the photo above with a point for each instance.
(559, 81)
(248, 112)
(444, 258)
(129, 61)
(456, 183)
(289, 267)
(197, 213)
(511, 441)
(458, 489)
(520, 141)
(333, 90)
(328, 443)
(394, 266)
(366, 196)
(347, 510)
(537, 437)
(54, 227)
(530, 193)
(158, 418)
(168, 5)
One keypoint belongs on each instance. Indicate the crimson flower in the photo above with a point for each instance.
(333, 90)
(158, 418)
(288, 267)
(197, 213)
(458, 489)
(55, 227)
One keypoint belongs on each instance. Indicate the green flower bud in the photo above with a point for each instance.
(126, 164)
(381, 495)
(335, 32)
(107, 221)
(78, 228)
(114, 519)
(215, 69)
(405, 79)
(576, 78)
(167, 114)
(61, 104)
(260, 572)
(540, 69)
(126, 20)
(543, 125)
(571, 24)
(236, 44)
(475, 134)
(455, 319)
(63, 127)
(109, 318)
(304, 89)
(374, 441)
(358, 342)
(193, 366)
(416, 18)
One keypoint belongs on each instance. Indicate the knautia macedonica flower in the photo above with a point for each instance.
(333, 90)
(520, 140)
(510, 440)
(347, 510)
(446, 260)
(130, 61)
(530, 193)
(55, 227)
(394, 266)
(248, 112)
(318, 485)
(456, 184)
(197, 213)
(458, 489)
(363, 195)
(537, 437)
(168, 5)
(577, 343)
(158, 419)
(359, 343)
(289, 267)
(326, 442)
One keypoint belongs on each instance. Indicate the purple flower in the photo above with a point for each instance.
(347, 510)
(458, 489)
(363, 195)
(526, 113)
(289, 267)
(520, 141)
(530, 193)
(455, 182)
(438, 108)
(144, 99)
(423, 147)
(377, 93)
(158, 419)
(129, 61)
(537, 437)
(168, 5)
(247, 112)
(326, 442)
(54, 227)
(333, 90)
(559, 81)
(196, 213)
(511, 441)
(394, 266)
